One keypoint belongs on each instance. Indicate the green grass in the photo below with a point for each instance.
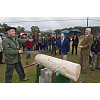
(30, 72)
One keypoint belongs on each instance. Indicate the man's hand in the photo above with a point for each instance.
(80, 46)
(20, 51)
(67, 52)
(30, 40)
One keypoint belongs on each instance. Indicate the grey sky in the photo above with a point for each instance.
(49, 24)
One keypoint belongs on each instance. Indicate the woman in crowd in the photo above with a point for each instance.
(49, 42)
(28, 46)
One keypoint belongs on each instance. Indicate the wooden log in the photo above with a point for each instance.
(66, 68)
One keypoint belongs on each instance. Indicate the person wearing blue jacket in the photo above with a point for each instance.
(63, 46)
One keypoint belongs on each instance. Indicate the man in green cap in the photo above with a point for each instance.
(11, 46)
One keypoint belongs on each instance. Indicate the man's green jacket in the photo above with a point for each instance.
(11, 49)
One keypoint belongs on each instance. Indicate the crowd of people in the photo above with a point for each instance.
(11, 45)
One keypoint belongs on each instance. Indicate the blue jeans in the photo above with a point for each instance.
(90, 58)
(28, 49)
(46, 46)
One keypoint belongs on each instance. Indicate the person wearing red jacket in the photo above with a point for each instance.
(29, 46)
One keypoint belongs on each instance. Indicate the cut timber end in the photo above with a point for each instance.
(66, 68)
(77, 74)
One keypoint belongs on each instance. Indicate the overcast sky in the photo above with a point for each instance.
(49, 24)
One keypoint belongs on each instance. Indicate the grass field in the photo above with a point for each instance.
(30, 72)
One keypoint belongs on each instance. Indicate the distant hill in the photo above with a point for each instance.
(27, 31)
(42, 32)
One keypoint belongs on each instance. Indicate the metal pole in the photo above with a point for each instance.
(87, 21)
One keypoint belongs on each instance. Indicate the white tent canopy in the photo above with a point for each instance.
(49, 31)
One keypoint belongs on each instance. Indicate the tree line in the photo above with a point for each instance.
(94, 29)
(20, 29)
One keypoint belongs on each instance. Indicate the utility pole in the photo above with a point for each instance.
(87, 21)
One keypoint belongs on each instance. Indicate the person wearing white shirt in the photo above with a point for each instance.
(85, 46)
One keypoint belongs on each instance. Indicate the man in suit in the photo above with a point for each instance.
(85, 46)
(75, 43)
(63, 46)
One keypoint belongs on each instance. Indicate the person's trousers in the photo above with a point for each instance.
(46, 46)
(9, 72)
(23, 45)
(64, 57)
(54, 49)
(39, 46)
(49, 46)
(96, 57)
(83, 61)
(90, 58)
(74, 45)
(1, 57)
(69, 47)
(35, 46)
(28, 49)
(22, 69)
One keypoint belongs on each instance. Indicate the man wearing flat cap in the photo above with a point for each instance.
(11, 46)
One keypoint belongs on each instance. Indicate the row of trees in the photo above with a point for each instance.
(4, 26)
(94, 29)
(34, 29)
(19, 29)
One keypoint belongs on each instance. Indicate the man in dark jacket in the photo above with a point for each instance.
(11, 46)
(75, 43)
(63, 46)
(57, 40)
(45, 42)
(95, 49)
(49, 42)
(39, 41)
(54, 44)
(68, 38)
